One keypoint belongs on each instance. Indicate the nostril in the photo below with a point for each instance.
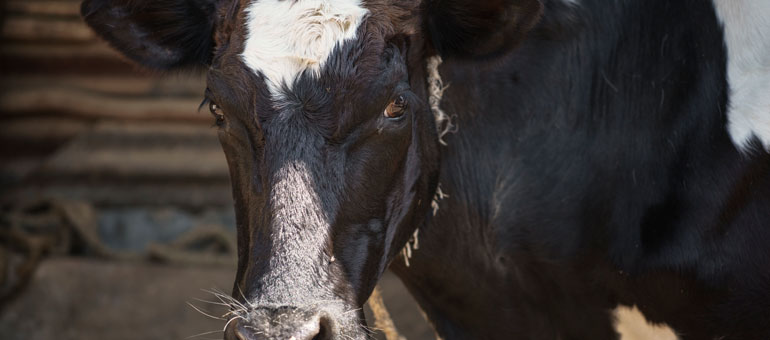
(319, 327)
(234, 332)
(324, 329)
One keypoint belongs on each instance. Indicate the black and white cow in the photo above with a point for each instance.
(604, 153)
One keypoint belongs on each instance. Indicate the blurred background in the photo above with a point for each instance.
(115, 205)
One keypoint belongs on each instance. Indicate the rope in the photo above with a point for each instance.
(436, 89)
(31, 231)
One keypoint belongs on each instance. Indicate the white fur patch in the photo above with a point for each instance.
(747, 36)
(286, 37)
(631, 324)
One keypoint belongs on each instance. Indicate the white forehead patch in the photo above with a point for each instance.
(747, 37)
(286, 37)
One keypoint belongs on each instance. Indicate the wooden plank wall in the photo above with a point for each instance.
(59, 85)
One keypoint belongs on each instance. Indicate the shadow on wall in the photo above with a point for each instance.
(109, 178)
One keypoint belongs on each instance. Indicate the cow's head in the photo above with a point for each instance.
(322, 109)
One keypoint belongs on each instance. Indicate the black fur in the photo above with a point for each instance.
(158, 34)
(479, 29)
(593, 168)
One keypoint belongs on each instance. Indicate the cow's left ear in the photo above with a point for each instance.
(157, 34)
(479, 28)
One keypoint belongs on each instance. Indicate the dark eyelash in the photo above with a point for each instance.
(206, 98)
(205, 102)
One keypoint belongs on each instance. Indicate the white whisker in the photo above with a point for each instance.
(213, 302)
(231, 319)
(204, 333)
(204, 313)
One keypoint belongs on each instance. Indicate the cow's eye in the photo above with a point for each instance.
(396, 108)
(218, 113)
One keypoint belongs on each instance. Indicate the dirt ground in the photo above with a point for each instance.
(85, 299)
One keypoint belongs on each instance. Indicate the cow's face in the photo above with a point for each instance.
(333, 158)
(322, 112)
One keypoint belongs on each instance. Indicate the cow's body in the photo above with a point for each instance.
(618, 156)
(593, 168)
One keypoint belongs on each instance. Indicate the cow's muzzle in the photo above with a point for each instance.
(287, 323)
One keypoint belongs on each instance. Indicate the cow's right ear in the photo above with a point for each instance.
(479, 28)
(157, 34)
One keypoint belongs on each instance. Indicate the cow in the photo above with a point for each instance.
(554, 159)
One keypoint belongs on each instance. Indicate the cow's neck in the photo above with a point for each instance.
(541, 159)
